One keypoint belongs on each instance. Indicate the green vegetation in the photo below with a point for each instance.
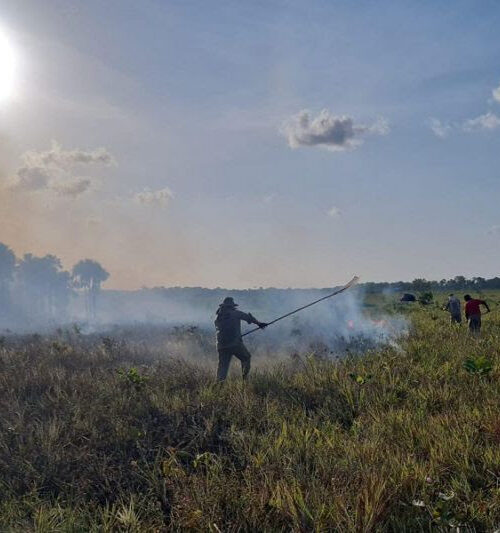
(104, 438)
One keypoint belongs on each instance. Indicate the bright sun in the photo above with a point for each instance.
(7, 68)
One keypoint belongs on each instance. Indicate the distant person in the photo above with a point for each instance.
(454, 308)
(229, 342)
(473, 313)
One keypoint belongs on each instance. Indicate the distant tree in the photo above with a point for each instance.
(421, 285)
(46, 287)
(7, 269)
(426, 298)
(459, 282)
(478, 282)
(88, 275)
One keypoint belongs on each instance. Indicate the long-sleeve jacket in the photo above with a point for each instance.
(453, 306)
(228, 325)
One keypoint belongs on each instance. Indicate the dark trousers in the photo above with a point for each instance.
(225, 355)
(475, 324)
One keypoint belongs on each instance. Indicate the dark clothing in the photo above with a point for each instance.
(456, 319)
(225, 355)
(229, 343)
(475, 324)
(228, 325)
(473, 314)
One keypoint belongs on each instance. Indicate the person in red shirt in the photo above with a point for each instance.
(473, 313)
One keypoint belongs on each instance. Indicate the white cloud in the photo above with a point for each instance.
(439, 128)
(494, 230)
(268, 198)
(71, 187)
(53, 169)
(160, 198)
(335, 133)
(488, 121)
(57, 157)
(496, 93)
(334, 212)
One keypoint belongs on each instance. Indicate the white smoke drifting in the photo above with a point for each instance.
(327, 329)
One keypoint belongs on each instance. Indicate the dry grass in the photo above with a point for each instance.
(396, 440)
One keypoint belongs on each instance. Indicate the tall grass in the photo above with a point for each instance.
(401, 439)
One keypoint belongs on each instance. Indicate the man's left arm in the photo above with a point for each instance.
(486, 305)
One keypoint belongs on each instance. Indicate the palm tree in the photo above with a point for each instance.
(7, 269)
(46, 286)
(88, 275)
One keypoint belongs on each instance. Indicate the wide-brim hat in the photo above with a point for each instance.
(228, 302)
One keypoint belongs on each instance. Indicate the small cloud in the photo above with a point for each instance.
(53, 170)
(160, 198)
(494, 230)
(31, 178)
(488, 121)
(335, 133)
(268, 199)
(496, 94)
(439, 129)
(334, 212)
(57, 157)
(71, 187)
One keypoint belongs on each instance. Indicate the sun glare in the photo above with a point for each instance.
(7, 68)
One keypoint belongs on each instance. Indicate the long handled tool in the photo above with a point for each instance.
(353, 282)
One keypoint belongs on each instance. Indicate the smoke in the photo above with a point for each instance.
(335, 133)
(182, 321)
(39, 295)
(54, 169)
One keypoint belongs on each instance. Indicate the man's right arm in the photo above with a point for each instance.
(250, 319)
(485, 305)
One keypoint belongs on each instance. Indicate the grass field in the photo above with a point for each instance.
(103, 436)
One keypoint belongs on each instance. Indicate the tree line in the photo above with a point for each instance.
(458, 283)
(38, 288)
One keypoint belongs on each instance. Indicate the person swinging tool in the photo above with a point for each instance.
(229, 342)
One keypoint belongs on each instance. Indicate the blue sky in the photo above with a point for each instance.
(196, 104)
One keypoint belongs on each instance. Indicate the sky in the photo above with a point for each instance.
(247, 144)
